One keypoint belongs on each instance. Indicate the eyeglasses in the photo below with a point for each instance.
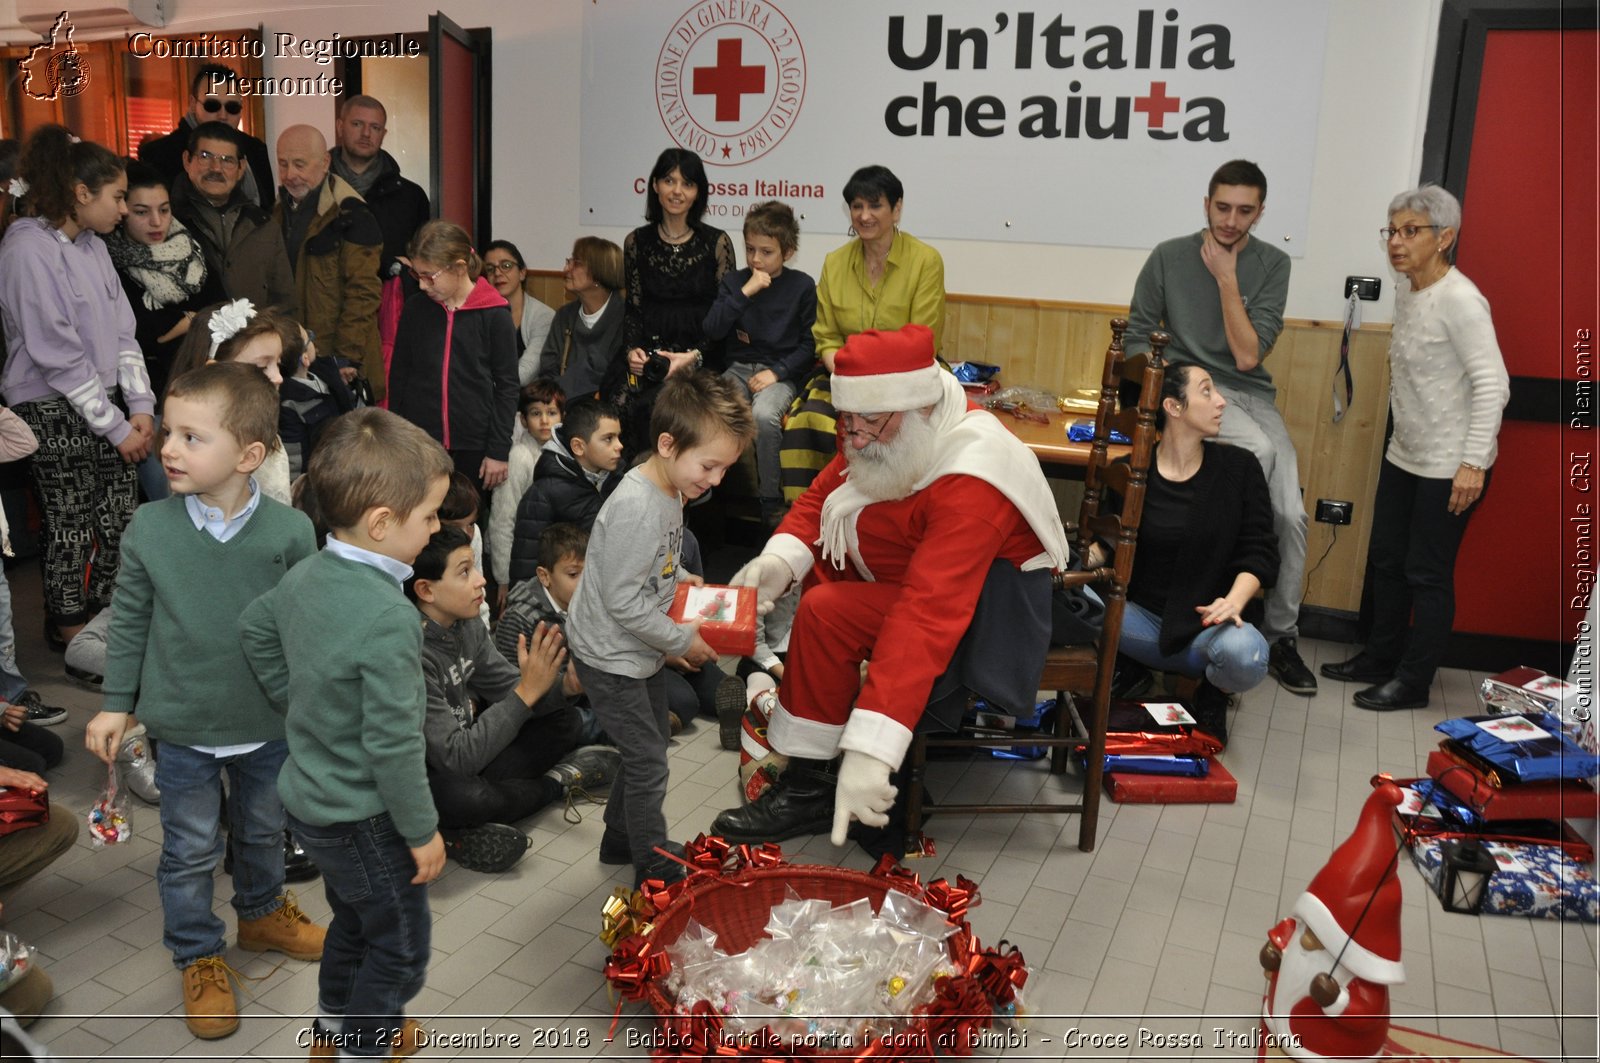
(311, 336)
(221, 160)
(575, 263)
(869, 426)
(1408, 231)
(429, 278)
(211, 105)
(507, 266)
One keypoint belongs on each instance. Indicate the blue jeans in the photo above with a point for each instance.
(11, 682)
(191, 797)
(1232, 658)
(375, 958)
(768, 406)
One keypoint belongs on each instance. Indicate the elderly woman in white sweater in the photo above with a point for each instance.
(1447, 387)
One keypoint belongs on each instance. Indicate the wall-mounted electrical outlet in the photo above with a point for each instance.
(1365, 287)
(1330, 511)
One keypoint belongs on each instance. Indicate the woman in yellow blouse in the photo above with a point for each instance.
(883, 279)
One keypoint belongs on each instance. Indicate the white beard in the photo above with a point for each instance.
(888, 471)
(1295, 972)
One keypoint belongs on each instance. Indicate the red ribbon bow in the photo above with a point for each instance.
(953, 900)
(634, 963)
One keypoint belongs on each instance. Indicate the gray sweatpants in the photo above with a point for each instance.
(634, 714)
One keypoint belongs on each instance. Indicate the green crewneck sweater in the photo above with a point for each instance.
(172, 650)
(340, 647)
(1176, 292)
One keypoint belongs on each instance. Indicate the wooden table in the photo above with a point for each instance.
(1059, 456)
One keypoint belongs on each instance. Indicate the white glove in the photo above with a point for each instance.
(770, 575)
(863, 793)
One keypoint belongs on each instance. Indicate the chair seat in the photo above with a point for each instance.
(1069, 667)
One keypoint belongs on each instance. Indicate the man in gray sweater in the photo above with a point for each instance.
(1220, 294)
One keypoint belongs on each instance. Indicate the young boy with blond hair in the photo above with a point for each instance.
(339, 647)
(618, 631)
(190, 564)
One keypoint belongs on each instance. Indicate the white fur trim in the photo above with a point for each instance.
(876, 735)
(888, 392)
(795, 553)
(794, 736)
(1357, 960)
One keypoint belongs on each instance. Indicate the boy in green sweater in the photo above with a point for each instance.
(190, 564)
(339, 647)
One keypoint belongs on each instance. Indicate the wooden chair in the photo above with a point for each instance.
(1082, 675)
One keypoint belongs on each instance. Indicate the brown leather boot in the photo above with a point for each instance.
(208, 1002)
(287, 930)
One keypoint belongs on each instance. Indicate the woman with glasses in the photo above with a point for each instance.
(586, 335)
(454, 372)
(163, 271)
(74, 371)
(503, 267)
(883, 279)
(1447, 388)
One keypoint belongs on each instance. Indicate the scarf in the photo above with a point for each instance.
(169, 272)
(381, 166)
(970, 443)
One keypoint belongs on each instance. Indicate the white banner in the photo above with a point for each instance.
(1096, 122)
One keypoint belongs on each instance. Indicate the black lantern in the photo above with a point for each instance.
(1464, 878)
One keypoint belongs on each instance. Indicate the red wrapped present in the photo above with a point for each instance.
(1215, 788)
(729, 615)
(1495, 798)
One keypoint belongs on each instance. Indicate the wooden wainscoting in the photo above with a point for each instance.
(1059, 346)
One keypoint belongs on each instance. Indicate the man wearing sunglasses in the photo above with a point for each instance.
(208, 103)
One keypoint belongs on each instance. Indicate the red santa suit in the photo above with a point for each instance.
(1353, 909)
(897, 581)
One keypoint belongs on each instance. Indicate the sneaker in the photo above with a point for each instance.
(588, 768)
(83, 677)
(40, 713)
(139, 766)
(731, 703)
(287, 930)
(297, 863)
(674, 723)
(209, 1007)
(490, 848)
(1284, 662)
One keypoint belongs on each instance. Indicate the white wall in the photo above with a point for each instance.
(1379, 59)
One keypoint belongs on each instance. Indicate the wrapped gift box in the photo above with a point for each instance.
(1495, 798)
(729, 615)
(1216, 787)
(1532, 880)
(1528, 689)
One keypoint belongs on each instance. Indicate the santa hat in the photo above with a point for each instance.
(1353, 905)
(886, 372)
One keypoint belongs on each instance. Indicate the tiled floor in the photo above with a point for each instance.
(1158, 928)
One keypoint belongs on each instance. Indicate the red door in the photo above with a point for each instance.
(1529, 241)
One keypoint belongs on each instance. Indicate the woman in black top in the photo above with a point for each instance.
(1206, 546)
(672, 266)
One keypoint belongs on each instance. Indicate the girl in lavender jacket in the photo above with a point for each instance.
(74, 371)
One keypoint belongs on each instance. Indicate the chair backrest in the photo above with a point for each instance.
(1130, 395)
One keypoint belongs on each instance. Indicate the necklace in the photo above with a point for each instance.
(673, 238)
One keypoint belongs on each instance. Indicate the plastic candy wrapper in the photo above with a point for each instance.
(16, 959)
(108, 818)
(823, 976)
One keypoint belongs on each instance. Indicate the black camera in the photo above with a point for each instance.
(655, 368)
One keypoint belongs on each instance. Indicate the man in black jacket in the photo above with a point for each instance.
(210, 101)
(401, 206)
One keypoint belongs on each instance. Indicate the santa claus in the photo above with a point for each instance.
(1331, 963)
(893, 544)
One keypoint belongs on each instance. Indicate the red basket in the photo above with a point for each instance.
(732, 893)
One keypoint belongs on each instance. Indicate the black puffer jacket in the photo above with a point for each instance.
(561, 494)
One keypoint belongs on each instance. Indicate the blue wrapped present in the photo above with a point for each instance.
(1189, 767)
(974, 372)
(1530, 746)
(1083, 432)
(1531, 880)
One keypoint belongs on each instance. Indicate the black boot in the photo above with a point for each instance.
(800, 802)
(1210, 712)
(297, 864)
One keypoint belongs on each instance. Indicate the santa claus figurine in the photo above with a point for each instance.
(1331, 963)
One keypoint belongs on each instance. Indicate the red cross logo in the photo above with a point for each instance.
(730, 80)
(1156, 106)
